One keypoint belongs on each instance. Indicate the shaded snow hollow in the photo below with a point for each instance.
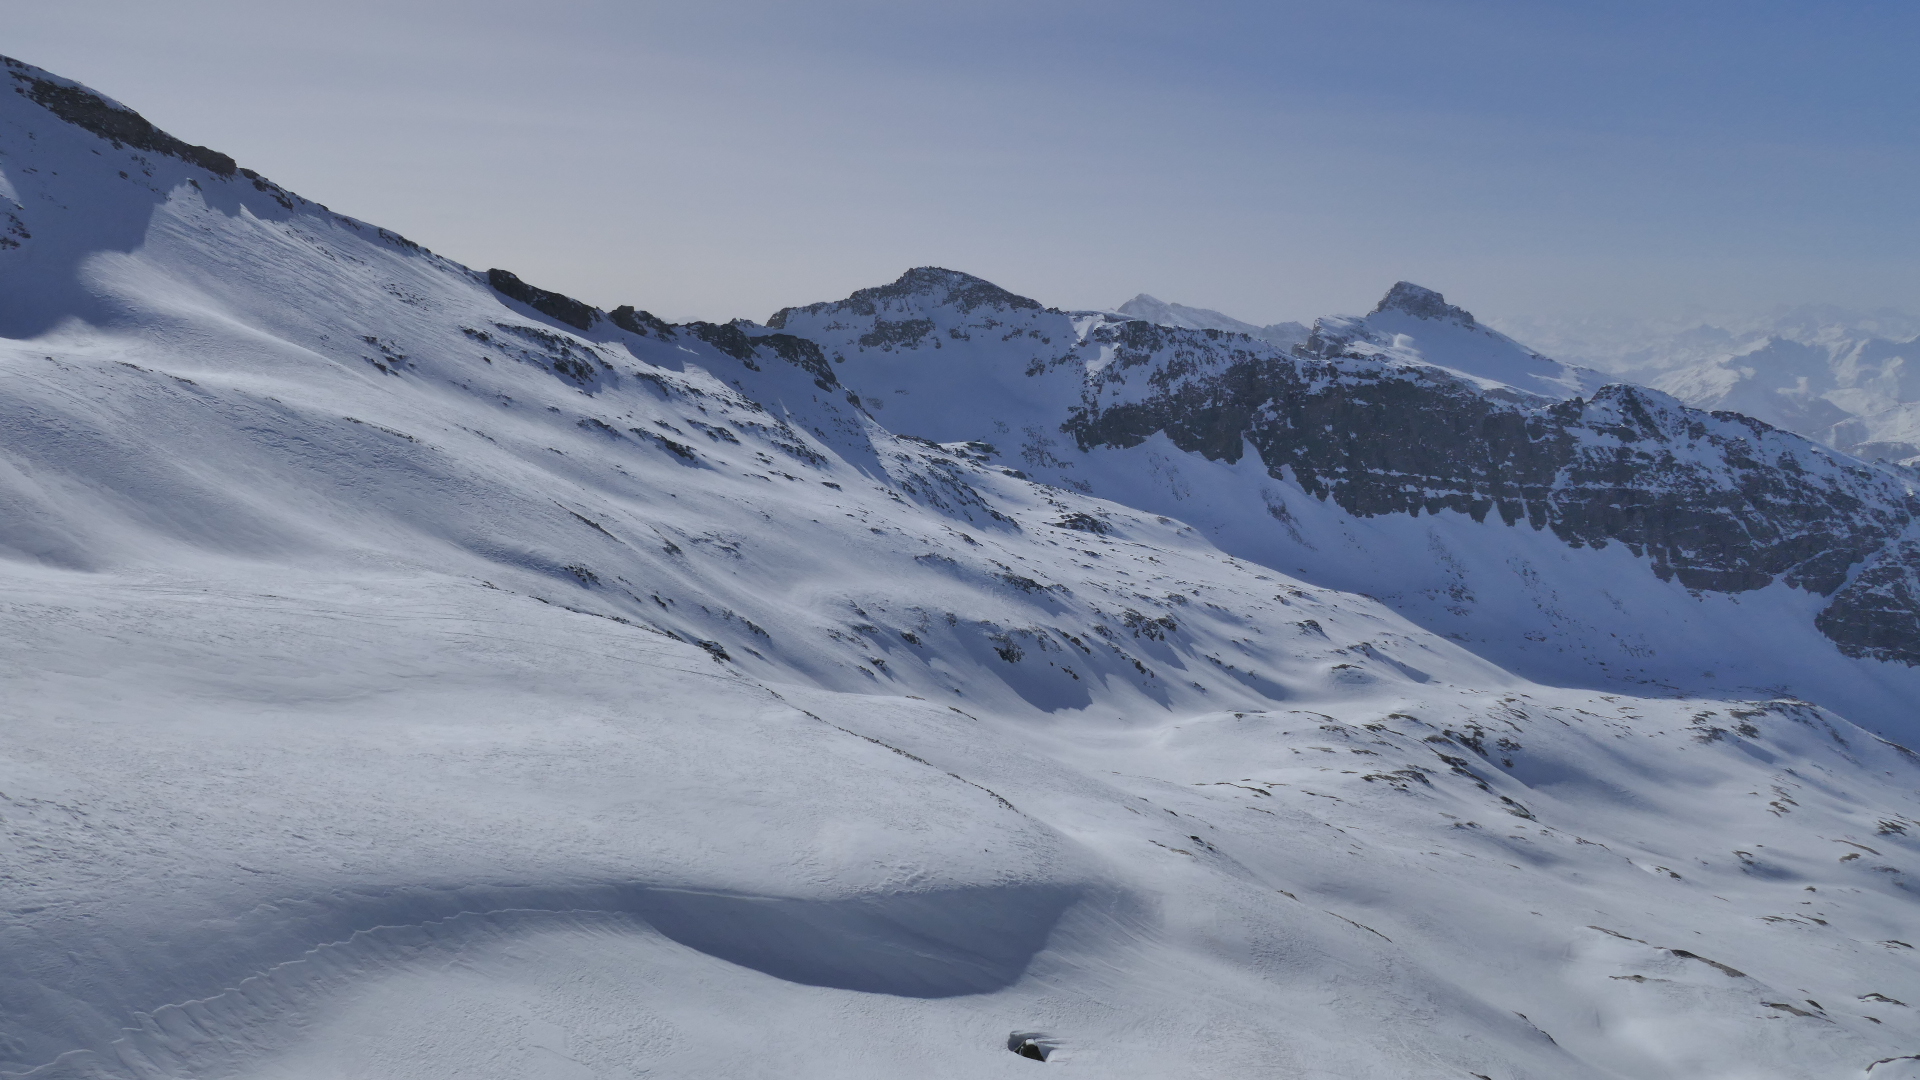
(413, 673)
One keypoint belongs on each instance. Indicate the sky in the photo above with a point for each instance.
(1274, 160)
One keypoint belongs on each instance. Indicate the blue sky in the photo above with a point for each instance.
(1274, 160)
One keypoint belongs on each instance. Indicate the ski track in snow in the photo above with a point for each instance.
(400, 683)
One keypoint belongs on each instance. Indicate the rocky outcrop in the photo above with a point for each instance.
(644, 323)
(734, 340)
(110, 120)
(1718, 501)
(562, 308)
(1416, 325)
(1422, 303)
(1873, 617)
(801, 353)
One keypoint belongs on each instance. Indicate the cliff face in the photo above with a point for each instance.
(1874, 616)
(1716, 501)
(1719, 501)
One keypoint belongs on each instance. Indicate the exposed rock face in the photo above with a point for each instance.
(111, 121)
(1719, 501)
(801, 353)
(734, 340)
(1417, 325)
(643, 323)
(1422, 303)
(945, 288)
(566, 309)
(1716, 501)
(1874, 616)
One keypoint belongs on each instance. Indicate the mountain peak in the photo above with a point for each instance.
(1422, 303)
(951, 286)
(943, 286)
(1154, 310)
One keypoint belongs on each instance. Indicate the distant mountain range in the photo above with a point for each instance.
(1857, 394)
(1849, 379)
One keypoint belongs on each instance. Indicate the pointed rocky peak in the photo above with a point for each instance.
(1422, 303)
(1144, 306)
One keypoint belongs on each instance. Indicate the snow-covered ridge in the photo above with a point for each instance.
(107, 118)
(1416, 325)
(1157, 311)
(1834, 375)
(1860, 394)
(413, 672)
(1717, 501)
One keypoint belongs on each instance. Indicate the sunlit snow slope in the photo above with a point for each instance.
(409, 673)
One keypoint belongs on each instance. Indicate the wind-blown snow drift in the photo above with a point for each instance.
(414, 673)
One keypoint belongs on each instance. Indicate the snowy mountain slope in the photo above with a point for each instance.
(412, 673)
(1835, 376)
(1154, 310)
(1416, 325)
(1324, 464)
(1859, 394)
(501, 870)
(1773, 385)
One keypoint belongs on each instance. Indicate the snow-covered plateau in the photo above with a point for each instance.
(410, 673)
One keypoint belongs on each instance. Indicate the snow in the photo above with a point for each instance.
(1457, 344)
(1154, 310)
(366, 713)
(1837, 376)
(1855, 393)
(1415, 325)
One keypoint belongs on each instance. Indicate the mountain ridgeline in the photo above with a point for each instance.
(1478, 425)
(1718, 501)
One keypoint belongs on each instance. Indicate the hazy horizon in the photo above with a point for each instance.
(1271, 161)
